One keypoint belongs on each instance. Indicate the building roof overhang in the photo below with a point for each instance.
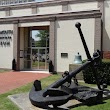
(52, 17)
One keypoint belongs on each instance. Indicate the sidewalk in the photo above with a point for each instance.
(12, 80)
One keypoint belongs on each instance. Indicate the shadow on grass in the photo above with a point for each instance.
(58, 108)
(83, 104)
(73, 106)
(106, 94)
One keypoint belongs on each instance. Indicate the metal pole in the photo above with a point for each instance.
(78, 25)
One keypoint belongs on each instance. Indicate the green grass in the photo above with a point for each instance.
(6, 104)
(106, 60)
(104, 106)
(4, 70)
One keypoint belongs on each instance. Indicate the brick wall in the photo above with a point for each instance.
(106, 54)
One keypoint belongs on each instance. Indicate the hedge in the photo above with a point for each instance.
(102, 71)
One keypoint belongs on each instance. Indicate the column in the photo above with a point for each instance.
(7, 11)
(101, 6)
(34, 9)
(52, 42)
(65, 6)
(98, 38)
(16, 44)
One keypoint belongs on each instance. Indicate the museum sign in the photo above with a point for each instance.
(6, 37)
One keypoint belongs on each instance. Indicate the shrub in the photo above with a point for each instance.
(102, 72)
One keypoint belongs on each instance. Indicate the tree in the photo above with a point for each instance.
(43, 38)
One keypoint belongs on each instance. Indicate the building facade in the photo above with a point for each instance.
(58, 17)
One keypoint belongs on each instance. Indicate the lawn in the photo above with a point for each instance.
(4, 70)
(6, 104)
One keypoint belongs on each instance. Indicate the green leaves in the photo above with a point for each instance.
(103, 72)
(43, 38)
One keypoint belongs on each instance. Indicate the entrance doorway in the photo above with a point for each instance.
(37, 49)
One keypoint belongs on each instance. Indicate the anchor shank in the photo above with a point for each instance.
(78, 25)
(71, 74)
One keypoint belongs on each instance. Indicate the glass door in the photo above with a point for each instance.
(36, 48)
(40, 58)
(27, 58)
(40, 49)
(35, 60)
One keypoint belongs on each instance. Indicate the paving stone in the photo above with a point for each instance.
(22, 101)
(18, 79)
